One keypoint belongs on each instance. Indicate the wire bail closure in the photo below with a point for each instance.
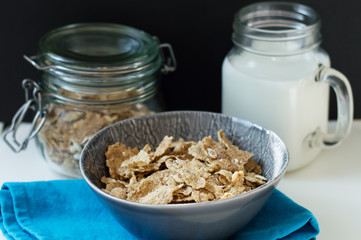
(33, 100)
(170, 63)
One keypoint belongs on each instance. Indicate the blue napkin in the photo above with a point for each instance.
(68, 209)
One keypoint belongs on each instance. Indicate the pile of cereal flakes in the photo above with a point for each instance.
(67, 130)
(181, 171)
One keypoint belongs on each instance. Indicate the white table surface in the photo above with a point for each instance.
(330, 187)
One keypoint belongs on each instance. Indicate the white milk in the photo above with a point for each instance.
(280, 94)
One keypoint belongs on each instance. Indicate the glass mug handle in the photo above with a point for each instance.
(342, 88)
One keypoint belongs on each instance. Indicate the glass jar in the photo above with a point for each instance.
(93, 75)
(277, 75)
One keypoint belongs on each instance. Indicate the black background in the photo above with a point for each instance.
(199, 31)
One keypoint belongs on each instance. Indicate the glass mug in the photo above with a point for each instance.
(279, 77)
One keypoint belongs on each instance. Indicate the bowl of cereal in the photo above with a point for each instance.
(184, 174)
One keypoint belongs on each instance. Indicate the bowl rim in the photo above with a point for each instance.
(272, 183)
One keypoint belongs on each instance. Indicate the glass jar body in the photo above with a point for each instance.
(73, 117)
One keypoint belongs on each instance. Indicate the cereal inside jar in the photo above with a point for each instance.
(93, 75)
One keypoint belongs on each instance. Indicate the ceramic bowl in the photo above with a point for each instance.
(219, 219)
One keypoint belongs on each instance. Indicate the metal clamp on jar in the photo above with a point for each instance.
(93, 75)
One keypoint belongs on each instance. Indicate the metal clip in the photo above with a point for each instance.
(170, 63)
(38, 121)
(33, 61)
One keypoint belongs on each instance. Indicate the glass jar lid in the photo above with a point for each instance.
(96, 48)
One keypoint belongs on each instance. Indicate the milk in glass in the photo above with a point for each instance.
(280, 94)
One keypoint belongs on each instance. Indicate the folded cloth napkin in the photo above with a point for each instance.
(68, 209)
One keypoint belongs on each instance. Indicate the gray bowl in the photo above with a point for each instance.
(219, 219)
